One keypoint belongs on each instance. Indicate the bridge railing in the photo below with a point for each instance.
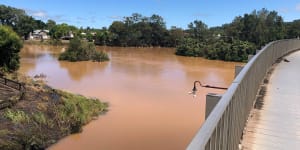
(224, 127)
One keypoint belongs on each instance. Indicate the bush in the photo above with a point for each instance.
(10, 45)
(16, 116)
(82, 51)
(235, 50)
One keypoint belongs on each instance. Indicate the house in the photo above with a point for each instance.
(39, 35)
(68, 36)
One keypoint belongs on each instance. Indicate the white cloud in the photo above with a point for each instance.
(283, 10)
(114, 17)
(37, 13)
(298, 7)
(201, 15)
(80, 18)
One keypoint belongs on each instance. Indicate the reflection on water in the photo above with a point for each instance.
(147, 91)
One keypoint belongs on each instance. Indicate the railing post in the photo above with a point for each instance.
(212, 100)
(238, 69)
(250, 57)
(257, 51)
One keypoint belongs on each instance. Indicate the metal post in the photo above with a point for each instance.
(212, 100)
(238, 69)
(250, 57)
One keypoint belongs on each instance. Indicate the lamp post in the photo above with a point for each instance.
(225, 36)
(194, 90)
(211, 98)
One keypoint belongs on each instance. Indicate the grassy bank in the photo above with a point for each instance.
(45, 115)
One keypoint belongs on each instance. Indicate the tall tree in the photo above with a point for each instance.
(198, 30)
(17, 19)
(10, 45)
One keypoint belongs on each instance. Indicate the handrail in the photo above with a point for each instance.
(224, 126)
(11, 83)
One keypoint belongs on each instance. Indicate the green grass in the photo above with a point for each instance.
(79, 110)
(16, 116)
(40, 118)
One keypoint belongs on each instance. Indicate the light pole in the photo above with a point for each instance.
(194, 90)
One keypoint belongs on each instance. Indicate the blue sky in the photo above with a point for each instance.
(101, 13)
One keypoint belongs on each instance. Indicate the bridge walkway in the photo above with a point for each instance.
(275, 122)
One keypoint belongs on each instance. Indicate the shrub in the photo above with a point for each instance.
(10, 45)
(79, 50)
(16, 116)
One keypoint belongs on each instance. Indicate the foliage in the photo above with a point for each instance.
(138, 30)
(80, 50)
(293, 30)
(236, 40)
(190, 47)
(16, 116)
(79, 110)
(223, 50)
(10, 45)
(44, 116)
(61, 30)
(18, 20)
(258, 27)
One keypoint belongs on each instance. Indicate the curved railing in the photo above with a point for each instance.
(223, 129)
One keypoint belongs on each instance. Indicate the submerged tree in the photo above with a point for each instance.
(79, 50)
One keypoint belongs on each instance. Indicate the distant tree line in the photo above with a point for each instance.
(230, 42)
(236, 40)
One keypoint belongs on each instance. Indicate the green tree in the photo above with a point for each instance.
(198, 30)
(50, 24)
(80, 50)
(10, 45)
(17, 19)
(293, 30)
(118, 30)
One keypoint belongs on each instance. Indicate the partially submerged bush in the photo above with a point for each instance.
(79, 50)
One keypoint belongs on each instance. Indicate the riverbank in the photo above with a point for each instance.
(44, 115)
(47, 42)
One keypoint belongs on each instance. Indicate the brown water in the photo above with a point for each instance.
(146, 89)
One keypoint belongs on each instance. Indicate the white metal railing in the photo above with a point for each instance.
(224, 127)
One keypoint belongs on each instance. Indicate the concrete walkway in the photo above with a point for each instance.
(276, 124)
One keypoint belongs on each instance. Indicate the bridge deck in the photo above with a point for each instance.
(275, 125)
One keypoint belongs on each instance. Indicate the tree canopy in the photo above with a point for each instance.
(236, 40)
(80, 50)
(10, 45)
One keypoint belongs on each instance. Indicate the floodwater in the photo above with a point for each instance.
(147, 89)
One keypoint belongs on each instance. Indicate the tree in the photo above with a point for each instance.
(175, 36)
(17, 19)
(118, 30)
(50, 24)
(60, 30)
(198, 30)
(10, 45)
(158, 30)
(39, 24)
(79, 50)
(293, 30)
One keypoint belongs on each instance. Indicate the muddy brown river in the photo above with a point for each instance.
(147, 89)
